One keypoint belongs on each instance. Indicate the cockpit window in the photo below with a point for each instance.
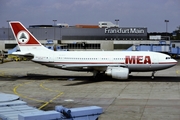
(168, 58)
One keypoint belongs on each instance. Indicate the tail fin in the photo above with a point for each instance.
(25, 40)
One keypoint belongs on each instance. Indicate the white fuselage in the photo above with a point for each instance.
(99, 60)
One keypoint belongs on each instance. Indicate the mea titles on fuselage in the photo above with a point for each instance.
(137, 60)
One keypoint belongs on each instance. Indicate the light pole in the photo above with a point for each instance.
(117, 25)
(46, 34)
(166, 21)
(8, 28)
(117, 20)
(54, 27)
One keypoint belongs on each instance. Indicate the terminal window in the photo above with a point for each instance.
(83, 46)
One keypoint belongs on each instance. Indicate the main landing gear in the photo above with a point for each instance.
(97, 74)
(152, 77)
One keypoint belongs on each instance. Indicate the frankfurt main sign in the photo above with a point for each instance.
(124, 31)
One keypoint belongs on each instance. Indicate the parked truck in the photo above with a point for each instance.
(106, 24)
(2, 56)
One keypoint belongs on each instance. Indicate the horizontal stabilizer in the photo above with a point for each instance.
(24, 54)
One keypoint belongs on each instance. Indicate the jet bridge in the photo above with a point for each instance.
(169, 47)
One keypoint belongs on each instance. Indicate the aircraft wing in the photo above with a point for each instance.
(92, 65)
(89, 66)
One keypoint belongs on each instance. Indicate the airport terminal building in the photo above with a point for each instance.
(74, 37)
(73, 33)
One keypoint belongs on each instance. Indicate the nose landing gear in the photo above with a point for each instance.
(152, 77)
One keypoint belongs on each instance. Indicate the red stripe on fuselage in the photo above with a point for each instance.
(105, 63)
(80, 62)
(102, 63)
(167, 63)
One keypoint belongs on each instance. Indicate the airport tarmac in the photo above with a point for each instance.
(139, 98)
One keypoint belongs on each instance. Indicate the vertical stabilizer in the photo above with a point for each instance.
(25, 40)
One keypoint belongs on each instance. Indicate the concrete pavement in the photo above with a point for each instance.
(139, 98)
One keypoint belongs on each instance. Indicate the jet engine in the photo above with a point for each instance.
(118, 72)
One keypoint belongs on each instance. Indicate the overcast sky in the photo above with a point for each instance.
(131, 13)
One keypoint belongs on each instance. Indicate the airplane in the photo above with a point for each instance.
(117, 64)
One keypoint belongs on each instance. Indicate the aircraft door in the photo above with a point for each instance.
(154, 61)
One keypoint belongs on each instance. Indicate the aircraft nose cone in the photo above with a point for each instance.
(174, 62)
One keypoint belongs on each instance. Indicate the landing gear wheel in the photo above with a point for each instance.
(95, 74)
(152, 77)
(98, 75)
